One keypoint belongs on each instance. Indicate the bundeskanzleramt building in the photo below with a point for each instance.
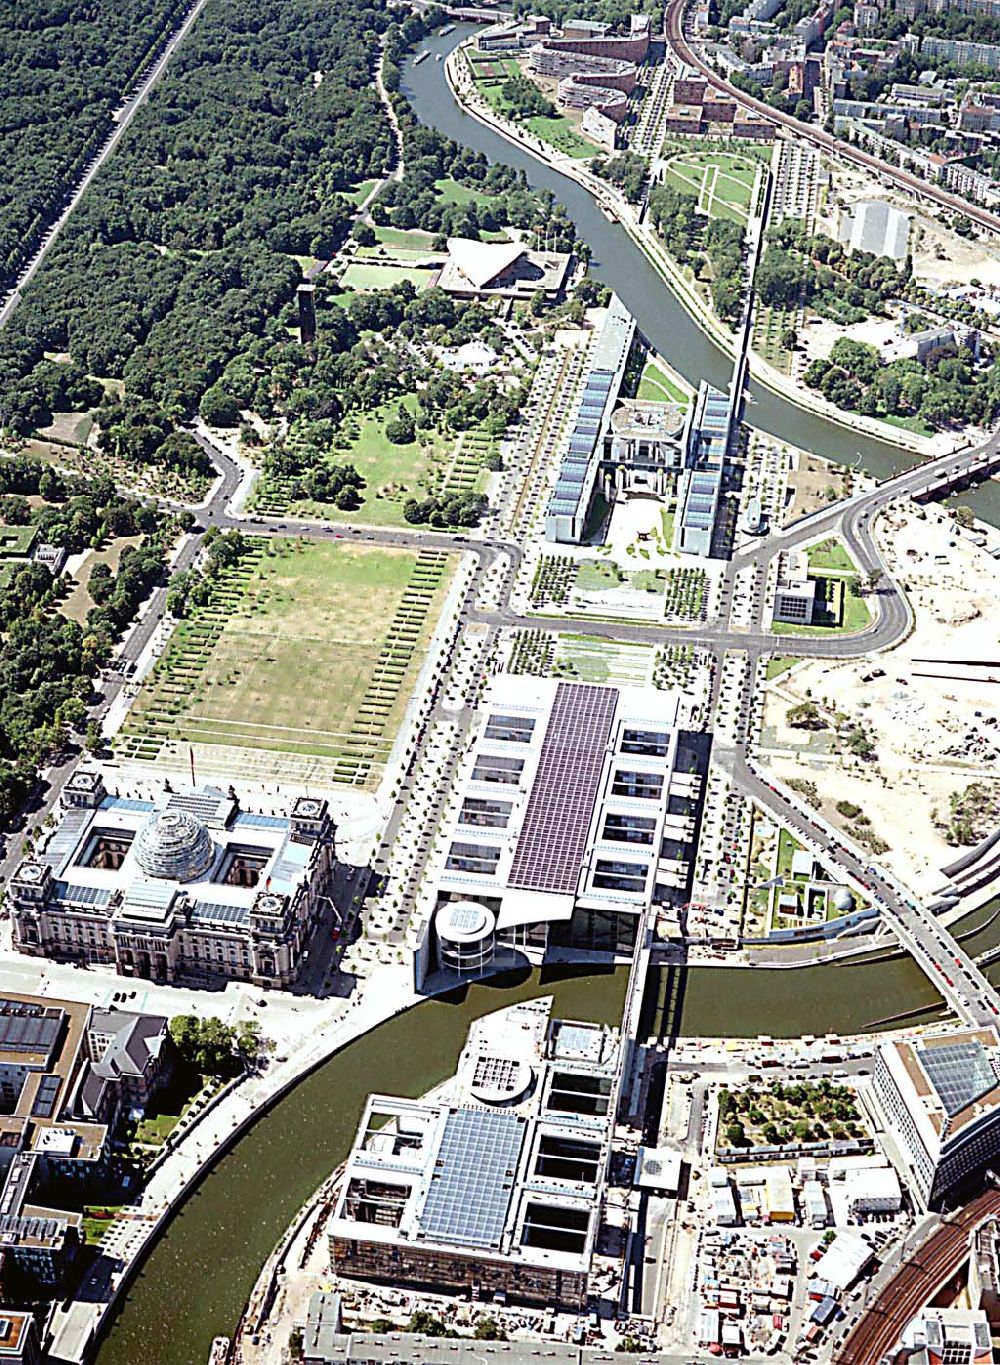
(498, 1189)
(188, 887)
(940, 1100)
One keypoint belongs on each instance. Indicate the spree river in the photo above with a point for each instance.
(661, 317)
(199, 1275)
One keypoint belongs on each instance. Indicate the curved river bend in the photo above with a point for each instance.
(662, 319)
(197, 1278)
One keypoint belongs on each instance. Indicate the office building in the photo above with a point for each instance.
(589, 422)
(188, 887)
(948, 1336)
(701, 490)
(498, 1188)
(574, 810)
(795, 594)
(940, 1099)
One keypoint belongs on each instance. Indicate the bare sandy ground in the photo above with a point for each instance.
(940, 257)
(934, 735)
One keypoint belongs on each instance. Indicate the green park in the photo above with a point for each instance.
(303, 649)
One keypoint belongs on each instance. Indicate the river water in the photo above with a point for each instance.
(662, 319)
(200, 1273)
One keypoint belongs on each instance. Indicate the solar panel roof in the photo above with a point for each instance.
(45, 1097)
(29, 1032)
(470, 1189)
(80, 895)
(221, 914)
(959, 1072)
(553, 837)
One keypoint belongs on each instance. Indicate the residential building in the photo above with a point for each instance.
(985, 55)
(189, 887)
(572, 812)
(498, 1188)
(940, 1099)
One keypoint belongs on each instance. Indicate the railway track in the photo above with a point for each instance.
(882, 1324)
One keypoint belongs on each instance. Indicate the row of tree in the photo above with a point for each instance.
(694, 239)
(65, 66)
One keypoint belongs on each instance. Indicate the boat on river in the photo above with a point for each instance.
(421, 57)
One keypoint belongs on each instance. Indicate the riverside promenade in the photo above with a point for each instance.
(388, 991)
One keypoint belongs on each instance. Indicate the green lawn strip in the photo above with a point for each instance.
(453, 192)
(831, 555)
(359, 193)
(95, 1225)
(657, 385)
(594, 576)
(788, 846)
(414, 238)
(560, 133)
(781, 664)
(368, 275)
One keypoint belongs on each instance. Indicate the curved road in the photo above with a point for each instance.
(807, 132)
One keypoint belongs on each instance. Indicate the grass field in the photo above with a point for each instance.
(656, 385)
(831, 555)
(360, 192)
(557, 130)
(305, 649)
(413, 239)
(362, 276)
(722, 182)
(453, 463)
(451, 192)
(593, 660)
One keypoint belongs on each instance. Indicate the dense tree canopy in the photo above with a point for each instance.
(64, 66)
(183, 251)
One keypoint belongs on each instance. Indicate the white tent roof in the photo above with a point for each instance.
(480, 262)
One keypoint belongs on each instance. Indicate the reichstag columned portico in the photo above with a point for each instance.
(191, 886)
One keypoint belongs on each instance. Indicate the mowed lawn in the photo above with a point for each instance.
(722, 182)
(657, 386)
(392, 474)
(294, 659)
(368, 275)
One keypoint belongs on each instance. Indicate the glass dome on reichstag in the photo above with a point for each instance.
(174, 846)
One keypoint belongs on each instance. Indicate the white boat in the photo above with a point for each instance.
(438, 57)
(422, 57)
(448, 28)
